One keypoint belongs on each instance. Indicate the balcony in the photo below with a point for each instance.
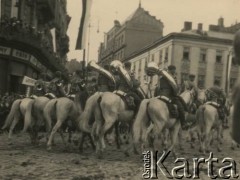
(46, 10)
(13, 32)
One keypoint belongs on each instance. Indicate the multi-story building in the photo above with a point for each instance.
(135, 32)
(203, 53)
(28, 32)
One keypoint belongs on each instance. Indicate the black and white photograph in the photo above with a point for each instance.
(119, 89)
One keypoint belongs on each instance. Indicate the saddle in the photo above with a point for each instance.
(127, 99)
(50, 96)
(33, 96)
(71, 96)
(172, 108)
(220, 109)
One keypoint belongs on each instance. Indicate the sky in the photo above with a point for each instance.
(172, 13)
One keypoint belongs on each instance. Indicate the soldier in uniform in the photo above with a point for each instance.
(130, 89)
(40, 86)
(216, 94)
(103, 82)
(55, 88)
(77, 83)
(167, 90)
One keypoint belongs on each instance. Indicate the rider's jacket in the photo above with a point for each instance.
(216, 93)
(104, 84)
(55, 87)
(127, 87)
(77, 84)
(165, 88)
(39, 88)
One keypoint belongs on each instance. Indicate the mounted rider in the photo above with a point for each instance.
(127, 85)
(104, 84)
(40, 87)
(106, 81)
(217, 98)
(170, 89)
(78, 85)
(55, 88)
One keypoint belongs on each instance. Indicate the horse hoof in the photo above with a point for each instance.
(126, 154)
(10, 143)
(49, 148)
(99, 155)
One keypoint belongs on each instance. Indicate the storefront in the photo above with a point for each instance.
(14, 65)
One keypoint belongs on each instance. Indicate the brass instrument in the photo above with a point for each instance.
(118, 67)
(95, 66)
(152, 69)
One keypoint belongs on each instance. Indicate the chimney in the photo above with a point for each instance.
(221, 22)
(187, 26)
(200, 27)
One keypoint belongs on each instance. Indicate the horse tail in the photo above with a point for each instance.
(47, 112)
(86, 117)
(28, 116)
(141, 121)
(15, 111)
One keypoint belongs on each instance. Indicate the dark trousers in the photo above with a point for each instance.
(137, 100)
(181, 109)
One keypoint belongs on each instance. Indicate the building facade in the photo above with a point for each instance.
(202, 53)
(33, 40)
(139, 29)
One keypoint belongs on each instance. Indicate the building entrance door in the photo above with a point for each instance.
(16, 85)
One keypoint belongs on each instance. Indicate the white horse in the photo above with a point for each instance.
(18, 111)
(156, 112)
(208, 121)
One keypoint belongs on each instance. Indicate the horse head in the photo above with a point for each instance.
(188, 96)
(202, 98)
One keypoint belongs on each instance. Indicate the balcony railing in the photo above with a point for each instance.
(13, 30)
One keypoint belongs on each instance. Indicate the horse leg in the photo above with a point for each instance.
(63, 138)
(174, 135)
(14, 123)
(54, 130)
(219, 138)
(109, 122)
(117, 135)
(180, 139)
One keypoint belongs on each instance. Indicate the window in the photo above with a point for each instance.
(203, 54)
(166, 55)
(234, 63)
(201, 81)
(186, 52)
(218, 79)
(134, 66)
(146, 62)
(232, 82)
(160, 57)
(140, 66)
(152, 57)
(218, 56)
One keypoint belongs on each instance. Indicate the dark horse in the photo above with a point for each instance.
(236, 92)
